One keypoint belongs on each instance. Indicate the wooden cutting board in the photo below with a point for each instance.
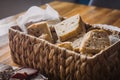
(90, 14)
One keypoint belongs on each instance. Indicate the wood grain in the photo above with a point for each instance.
(89, 14)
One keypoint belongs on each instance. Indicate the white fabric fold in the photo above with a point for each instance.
(34, 14)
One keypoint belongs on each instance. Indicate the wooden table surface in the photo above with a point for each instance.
(90, 14)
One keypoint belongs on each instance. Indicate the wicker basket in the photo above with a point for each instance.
(60, 64)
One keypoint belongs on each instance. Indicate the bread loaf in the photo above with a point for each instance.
(37, 29)
(67, 45)
(76, 44)
(45, 37)
(76, 41)
(70, 28)
(94, 41)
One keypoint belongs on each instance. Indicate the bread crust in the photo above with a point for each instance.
(70, 28)
(38, 29)
(94, 41)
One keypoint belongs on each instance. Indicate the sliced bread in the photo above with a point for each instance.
(70, 28)
(76, 44)
(94, 41)
(45, 37)
(37, 29)
(67, 45)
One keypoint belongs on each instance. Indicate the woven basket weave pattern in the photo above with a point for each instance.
(60, 64)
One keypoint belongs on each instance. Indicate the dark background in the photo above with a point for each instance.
(12, 7)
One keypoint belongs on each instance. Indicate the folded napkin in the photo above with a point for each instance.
(35, 14)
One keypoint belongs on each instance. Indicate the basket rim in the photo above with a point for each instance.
(69, 51)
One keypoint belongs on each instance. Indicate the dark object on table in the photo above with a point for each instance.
(8, 73)
(24, 73)
(114, 4)
(83, 1)
(25, 77)
(27, 74)
(39, 77)
(5, 71)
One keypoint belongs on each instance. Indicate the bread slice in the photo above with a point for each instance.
(76, 44)
(67, 45)
(37, 29)
(76, 41)
(70, 28)
(94, 41)
(45, 37)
